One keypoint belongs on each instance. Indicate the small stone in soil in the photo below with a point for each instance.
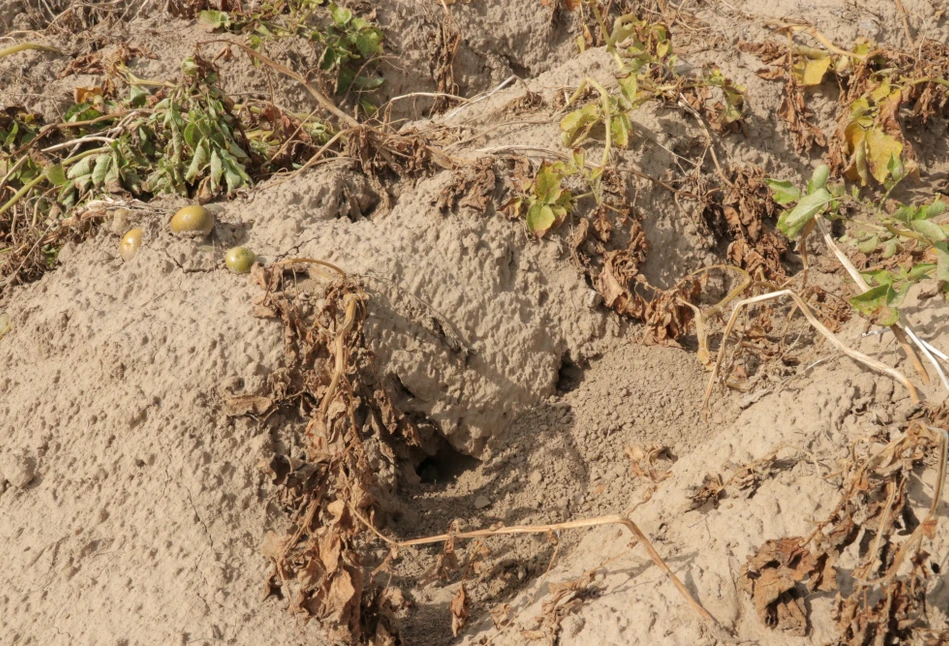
(481, 502)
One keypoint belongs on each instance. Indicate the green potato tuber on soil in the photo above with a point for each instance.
(130, 243)
(192, 221)
(239, 259)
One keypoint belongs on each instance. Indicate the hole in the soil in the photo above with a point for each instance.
(399, 388)
(444, 466)
(570, 375)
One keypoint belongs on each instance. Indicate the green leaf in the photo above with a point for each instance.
(867, 245)
(896, 169)
(189, 67)
(233, 178)
(81, 112)
(55, 174)
(540, 218)
(878, 304)
(577, 121)
(783, 191)
(82, 167)
(365, 84)
(942, 261)
(818, 178)
(890, 247)
(629, 87)
(138, 96)
(905, 214)
(344, 78)
(920, 271)
(103, 163)
(932, 231)
(199, 161)
(217, 170)
(881, 277)
(933, 210)
(791, 222)
(112, 175)
(214, 19)
(340, 15)
(190, 135)
(369, 43)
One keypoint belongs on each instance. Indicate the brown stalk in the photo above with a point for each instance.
(544, 529)
(862, 284)
(817, 325)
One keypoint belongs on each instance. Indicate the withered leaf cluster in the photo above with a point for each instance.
(472, 186)
(739, 212)
(885, 605)
(331, 492)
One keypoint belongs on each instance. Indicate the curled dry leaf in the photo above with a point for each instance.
(459, 610)
(472, 186)
(770, 576)
(247, 405)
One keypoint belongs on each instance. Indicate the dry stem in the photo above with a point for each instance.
(862, 284)
(817, 325)
(544, 529)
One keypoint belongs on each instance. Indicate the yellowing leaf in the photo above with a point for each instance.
(857, 170)
(880, 147)
(619, 128)
(881, 91)
(815, 69)
(854, 134)
(540, 218)
(932, 231)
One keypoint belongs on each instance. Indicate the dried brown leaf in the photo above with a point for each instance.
(472, 186)
(770, 576)
(711, 489)
(246, 405)
(500, 614)
(459, 610)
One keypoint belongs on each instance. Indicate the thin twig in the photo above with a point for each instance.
(905, 19)
(482, 97)
(544, 529)
(817, 325)
(862, 284)
(78, 142)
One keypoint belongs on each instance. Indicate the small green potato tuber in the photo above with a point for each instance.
(239, 259)
(130, 244)
(192, 221)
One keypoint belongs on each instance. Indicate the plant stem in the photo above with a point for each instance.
(607, 118)
(545, 529)
(24, 46)
(26, 188)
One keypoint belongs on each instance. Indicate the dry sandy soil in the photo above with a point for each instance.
(133, 507)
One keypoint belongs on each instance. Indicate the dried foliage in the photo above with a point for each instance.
(320, 567)
(882, 91)
(887, 603)
(794, 110)
(565, 599)
(740, 213)
(472, 186)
